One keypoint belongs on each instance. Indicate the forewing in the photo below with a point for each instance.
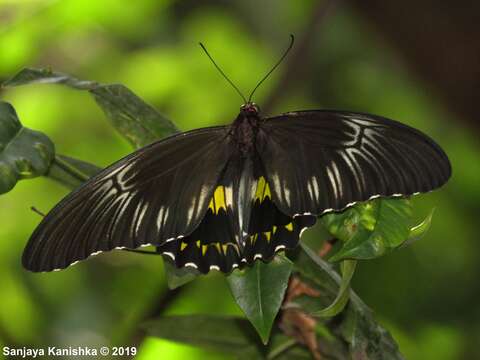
(320, 161)
(157, 193)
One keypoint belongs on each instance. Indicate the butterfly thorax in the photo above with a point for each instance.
(245, 128)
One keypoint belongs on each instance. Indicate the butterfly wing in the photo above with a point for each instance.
(320, 161)
(159, 192)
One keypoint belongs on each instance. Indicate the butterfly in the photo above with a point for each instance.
(222, 197)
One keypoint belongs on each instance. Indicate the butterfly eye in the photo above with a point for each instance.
(250, 108)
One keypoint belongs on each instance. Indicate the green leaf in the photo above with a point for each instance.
(355, 325)
(177, 277)
(348, 269)
(417, 232)
(24, 153)
(371, 229)
(259, 291)
(47, 76)
(140, 123)
(227, 334)
(137, 121)
(230, 335)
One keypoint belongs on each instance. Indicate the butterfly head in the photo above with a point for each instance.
(250, 109)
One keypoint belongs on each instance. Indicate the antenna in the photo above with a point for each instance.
(292, 40)
(36, 211)
(223, 74)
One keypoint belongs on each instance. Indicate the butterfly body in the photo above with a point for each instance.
(244, 129)
(222, 197)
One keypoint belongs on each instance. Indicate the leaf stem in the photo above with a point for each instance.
(282, 348)
(71, 170)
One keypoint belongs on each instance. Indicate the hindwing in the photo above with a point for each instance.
(242, 224)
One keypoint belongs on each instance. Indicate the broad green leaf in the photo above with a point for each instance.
(177, 277)
(24, 153)
(355, 325)
(371, 229)
(231, 335)
(417, 232)
(137, 121)
(347, 269)
(259, 291)
(47, 76)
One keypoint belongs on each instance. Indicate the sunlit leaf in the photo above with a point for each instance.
(137, 121)
(231, 335)
(259, 291)
(417, 232)
(46, 76)
(140, 123)
(371, 229)
(24, 153)
(227, 334)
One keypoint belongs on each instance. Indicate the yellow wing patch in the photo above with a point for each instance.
(263, 190)
(218, 200)
(225, 248)
(221, 248)
(253, 239)
(268, 235)
(289, 227)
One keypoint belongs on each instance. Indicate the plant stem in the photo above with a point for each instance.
(282, 348)
(71, 170)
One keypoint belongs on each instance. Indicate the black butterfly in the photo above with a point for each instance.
(225, 196)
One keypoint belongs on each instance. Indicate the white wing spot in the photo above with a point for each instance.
(279, 247)
(170, 255)
(140, 218)
(301, 232)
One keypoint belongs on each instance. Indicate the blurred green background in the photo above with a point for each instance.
(426, 295)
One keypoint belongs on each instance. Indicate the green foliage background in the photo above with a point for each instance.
(426, 294)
